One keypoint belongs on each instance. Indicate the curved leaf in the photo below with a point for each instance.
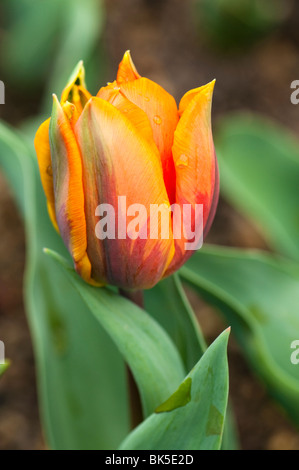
(12, 148)
(152, 357)
(81, 375)
(193, 417)
(259, 166)
(22, 55)
(168, 304)
(259, 296)
(88, 18)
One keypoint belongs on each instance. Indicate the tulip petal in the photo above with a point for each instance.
(194, 159)
(75, 91)
(119, 162)
(42, 147)
(68, 188)
(193, 151)
(127, 71)
(188, 97)
(79, 97)
(77, 78)
(162, 112)
(111, 93)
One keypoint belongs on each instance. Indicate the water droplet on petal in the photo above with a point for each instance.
(183, 161)
(157, 119)
(49, 170)
(146, 98)
(125, 110)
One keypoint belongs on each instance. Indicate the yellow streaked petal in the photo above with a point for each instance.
(75, 91)
(68, 187)
(52, 215)
(84, 269)
(79, 97)
(77, 78)
(42, 147)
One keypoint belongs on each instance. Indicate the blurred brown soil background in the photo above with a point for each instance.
(167, 49)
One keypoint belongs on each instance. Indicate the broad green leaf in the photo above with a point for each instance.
(81, 375)
(259, 167)
(168, 304)
(81, 27)
(193, 417)
(152, 357)
(14, 166)
(259, 296)
(56, 310)
(44, 40)
(28, 44)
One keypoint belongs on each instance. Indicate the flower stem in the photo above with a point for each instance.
(134, 397)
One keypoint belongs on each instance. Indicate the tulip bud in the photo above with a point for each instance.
(130, 179)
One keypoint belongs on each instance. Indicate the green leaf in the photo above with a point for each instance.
(44, 40)
(81, 375)
(28, 43)
(168, 304)
(75, 357)
(259, 167)
(259, 296)
(82, 25)
(14, 166)
(193, 417)
(153, 359)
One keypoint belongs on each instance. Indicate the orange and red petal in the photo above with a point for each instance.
(138, 118)
(119, 162)
(195, 161)
(161, 110)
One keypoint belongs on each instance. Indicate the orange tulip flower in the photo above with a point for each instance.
(129, 143)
